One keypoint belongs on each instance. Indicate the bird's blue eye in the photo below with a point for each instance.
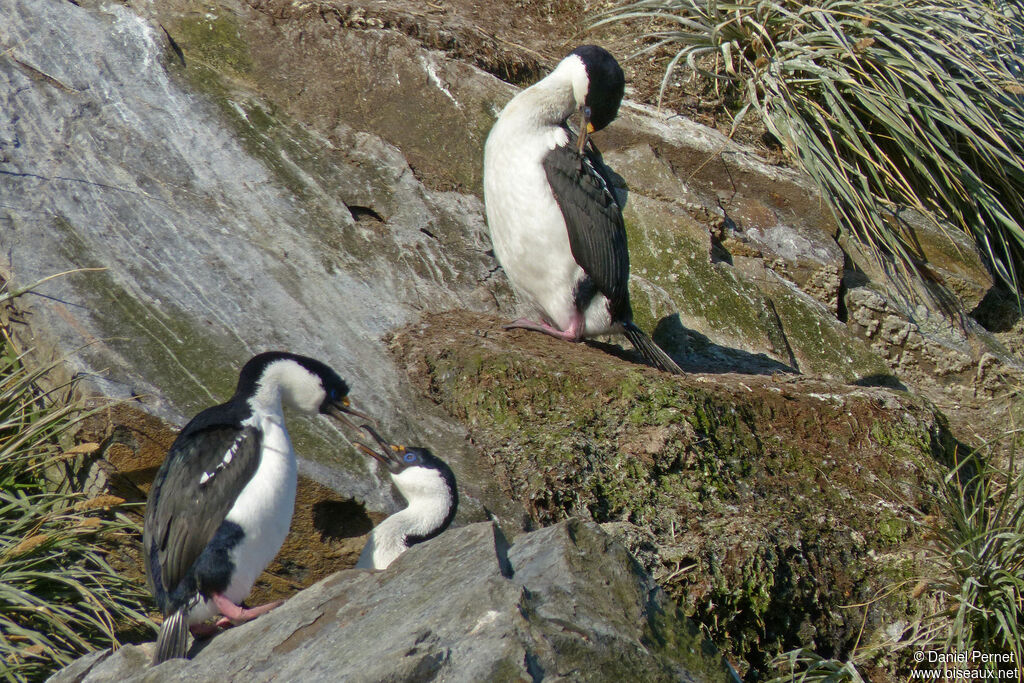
(410, 457)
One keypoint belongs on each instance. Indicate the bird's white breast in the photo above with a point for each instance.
(526, 225)
(265, 506)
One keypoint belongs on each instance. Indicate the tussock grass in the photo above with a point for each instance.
(975, 578)
(804, 666)
(59, 596)
(979, 558)
(886, 104)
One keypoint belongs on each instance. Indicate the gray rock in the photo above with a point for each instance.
(799, 246)
(563, 603)
(925, 347)
(256, 174)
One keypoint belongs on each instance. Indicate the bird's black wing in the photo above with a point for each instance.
(593, 219)
(205, 470)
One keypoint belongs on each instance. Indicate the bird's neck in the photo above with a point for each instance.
(267, 398)
(548, 102)
(428, 509)
(422, 517)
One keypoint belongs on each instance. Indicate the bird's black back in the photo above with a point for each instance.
(593, 220)
(184, 512)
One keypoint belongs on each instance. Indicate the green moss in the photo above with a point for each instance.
(906, 439)
(757, 584)
(892, 530)
(822, 346)
(216, 40)
(792, 329)
(754, 494)
(668, 258)
(668, 630)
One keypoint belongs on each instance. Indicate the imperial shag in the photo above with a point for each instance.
(555, 222)
(222, 501)
(428, 486)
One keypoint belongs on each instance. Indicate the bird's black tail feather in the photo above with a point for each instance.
(651, 351)
(173, 638)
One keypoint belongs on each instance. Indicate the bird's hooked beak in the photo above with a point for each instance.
(340, 410)
(389, 454)
(586, 128)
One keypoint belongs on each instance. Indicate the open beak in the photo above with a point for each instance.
(585, 129)
(340, 410)
(388, 454)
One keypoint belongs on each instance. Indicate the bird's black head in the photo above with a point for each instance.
(607, 83)
(423, 479)
(412, 456)
(312, 386)
(335, 392)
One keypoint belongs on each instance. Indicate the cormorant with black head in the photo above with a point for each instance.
(222, 501)
(428, 486)
(555, 222)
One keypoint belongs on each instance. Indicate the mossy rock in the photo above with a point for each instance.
(436, 110)
(772, 503)
(712, 315)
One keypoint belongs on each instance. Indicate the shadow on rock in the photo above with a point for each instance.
(694, 352)
(884, 381)
(337, 519)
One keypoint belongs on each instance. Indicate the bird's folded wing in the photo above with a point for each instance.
(207, 470)
(593, 218)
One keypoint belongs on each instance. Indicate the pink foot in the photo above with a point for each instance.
(233, 615)
(573, 334)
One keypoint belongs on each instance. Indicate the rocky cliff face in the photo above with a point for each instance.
(240, 176)
(112, 163)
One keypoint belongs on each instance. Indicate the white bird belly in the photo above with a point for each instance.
(264, 512)
(528, 229)
(264, 508)
(526, 225)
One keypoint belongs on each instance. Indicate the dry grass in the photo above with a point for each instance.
(59, 595)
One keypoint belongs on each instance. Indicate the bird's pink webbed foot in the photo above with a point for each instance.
(573, 333)
(233, 615)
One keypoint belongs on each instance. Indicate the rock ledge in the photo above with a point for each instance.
(565, 602)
